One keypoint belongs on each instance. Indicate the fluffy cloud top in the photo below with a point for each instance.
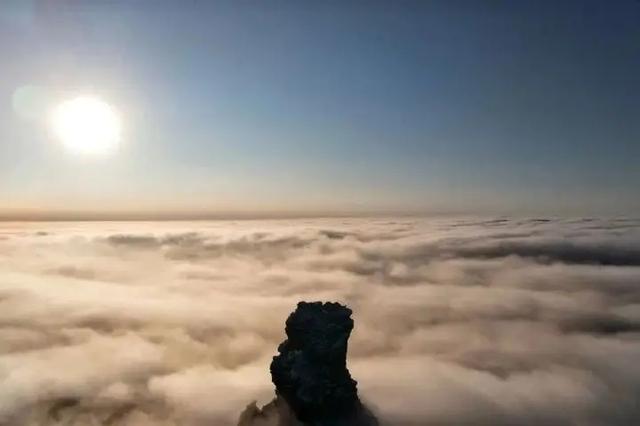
(495, 322)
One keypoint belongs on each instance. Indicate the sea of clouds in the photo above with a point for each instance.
(457, 321)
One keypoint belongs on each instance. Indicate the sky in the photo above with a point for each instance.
(333, 107)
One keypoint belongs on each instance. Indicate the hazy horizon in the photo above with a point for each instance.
(64, 216)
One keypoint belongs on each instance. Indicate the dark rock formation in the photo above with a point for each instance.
(275, 413)
(310, 371)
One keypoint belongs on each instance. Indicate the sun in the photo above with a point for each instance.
(87, 125)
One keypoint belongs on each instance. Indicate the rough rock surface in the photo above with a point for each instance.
(275, 413)
(310, 372)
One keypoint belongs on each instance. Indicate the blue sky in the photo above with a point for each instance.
(523, 107)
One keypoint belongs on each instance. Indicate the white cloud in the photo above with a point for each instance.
(457, 321)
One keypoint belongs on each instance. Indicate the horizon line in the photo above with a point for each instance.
(177, 216)
(97, 216)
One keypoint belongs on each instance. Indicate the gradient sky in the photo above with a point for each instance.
(253, 107)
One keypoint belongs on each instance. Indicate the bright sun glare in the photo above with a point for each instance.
(87, 125)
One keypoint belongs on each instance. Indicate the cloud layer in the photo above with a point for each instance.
(484, 322)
